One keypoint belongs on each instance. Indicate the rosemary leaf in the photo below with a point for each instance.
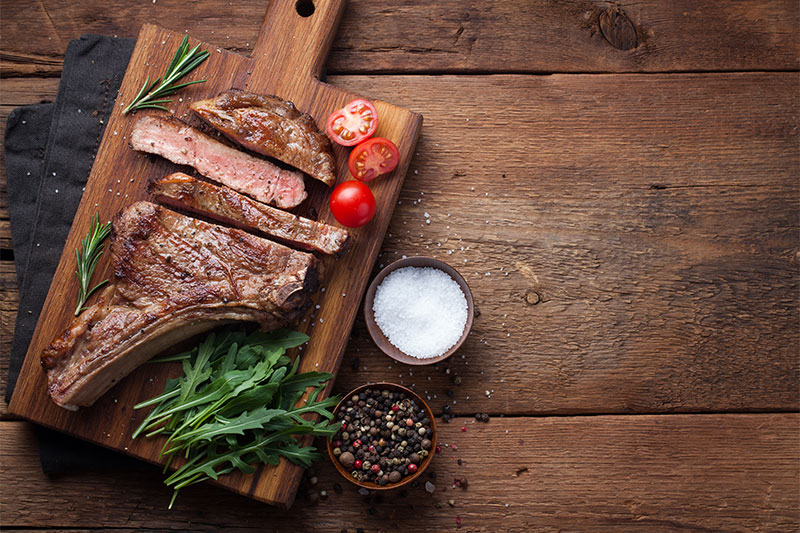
(87, 259)
(183, 63)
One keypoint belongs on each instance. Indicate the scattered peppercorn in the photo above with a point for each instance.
(463, 428)
(482, 417)
(463, 482)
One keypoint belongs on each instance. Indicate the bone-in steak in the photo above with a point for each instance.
(185, 192)
(185, 145)
(273, 127)
(174, 277)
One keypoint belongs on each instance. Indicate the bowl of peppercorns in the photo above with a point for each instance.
(387, 437)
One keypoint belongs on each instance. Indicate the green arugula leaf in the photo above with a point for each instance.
(236, 405)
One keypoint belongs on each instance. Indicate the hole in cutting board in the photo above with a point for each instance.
(304, 8)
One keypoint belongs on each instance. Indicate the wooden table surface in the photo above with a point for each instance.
(618, 184)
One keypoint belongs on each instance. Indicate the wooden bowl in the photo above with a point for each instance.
(377, 335)
(422, 466)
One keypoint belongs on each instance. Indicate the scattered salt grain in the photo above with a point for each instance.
(422, 311)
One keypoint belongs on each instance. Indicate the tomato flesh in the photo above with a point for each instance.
(353, 123)
(352, 203)
(372, 158)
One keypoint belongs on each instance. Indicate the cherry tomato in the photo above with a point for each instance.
(353, 123)
(372, 158)
(352, 203)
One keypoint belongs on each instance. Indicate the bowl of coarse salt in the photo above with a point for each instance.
(418, 310)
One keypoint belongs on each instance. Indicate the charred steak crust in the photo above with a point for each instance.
(184, 192)
(174, 277)
(184, 145)
(273, 127)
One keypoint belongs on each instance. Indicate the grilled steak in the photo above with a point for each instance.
(273, 127)
(174, 277)
(185, 145)
(185, 192)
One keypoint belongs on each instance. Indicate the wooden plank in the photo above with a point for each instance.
(648, 227)
(448, 36)
(606, 473)
(289, 54)
(631, 241)
(9, 303)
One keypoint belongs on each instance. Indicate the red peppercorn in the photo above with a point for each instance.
(395, 407)
(412, 468)
(371, 448)
(456, 481)
(455, 446)
(357, 443)
(438, 449)
(358, 463)
(375, 468)
(458, 522)
(337, 444)
(409, 422)
(463, 428)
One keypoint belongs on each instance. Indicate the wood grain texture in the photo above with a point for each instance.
(632, 241)
(647, 224)
(118, 177)
(606, 473)
(447, 36)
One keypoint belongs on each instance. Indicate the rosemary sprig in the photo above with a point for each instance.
(88, 256)
(184, 62)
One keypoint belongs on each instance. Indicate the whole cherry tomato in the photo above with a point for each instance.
(352, 203)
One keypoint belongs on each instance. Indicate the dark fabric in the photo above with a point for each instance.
(49, 152)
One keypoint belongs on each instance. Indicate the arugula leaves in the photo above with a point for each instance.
(236, 405)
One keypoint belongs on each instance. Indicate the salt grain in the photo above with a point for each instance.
(422, 311)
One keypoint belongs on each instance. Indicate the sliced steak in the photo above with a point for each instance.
(174, 277)
(185, 192)
(185, 145)
(273, 127)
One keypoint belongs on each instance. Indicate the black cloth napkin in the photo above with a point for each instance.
(49, 151)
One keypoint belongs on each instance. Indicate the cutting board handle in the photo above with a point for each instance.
(297, 33)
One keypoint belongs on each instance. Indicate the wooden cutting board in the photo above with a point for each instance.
(287, 60)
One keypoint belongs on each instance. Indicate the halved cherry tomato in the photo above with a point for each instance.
(353, 123)
(372, 158)
(352, 203)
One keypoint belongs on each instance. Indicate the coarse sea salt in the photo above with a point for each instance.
(422, 311)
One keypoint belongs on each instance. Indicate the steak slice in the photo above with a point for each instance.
(174, 277)
(273, 127)
(185, 192)
(185, 145)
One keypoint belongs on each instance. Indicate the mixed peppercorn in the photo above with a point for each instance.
(385, 436)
